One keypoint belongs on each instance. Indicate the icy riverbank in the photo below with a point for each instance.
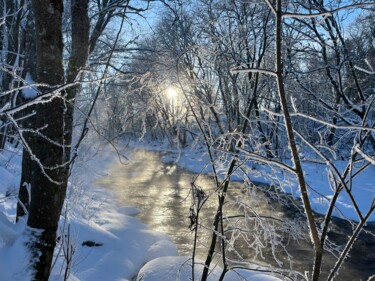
(103, 239)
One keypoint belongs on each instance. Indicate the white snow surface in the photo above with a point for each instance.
(93, 215)
(180, 268)
(29, 92)
(128, 247)
(173, 268)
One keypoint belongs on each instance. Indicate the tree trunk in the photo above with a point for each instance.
(29, 67)
(49, 175)
(49, 147)
(293, 145)
(23, 192)
(77, 60)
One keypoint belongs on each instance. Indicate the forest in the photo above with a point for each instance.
(272, 100)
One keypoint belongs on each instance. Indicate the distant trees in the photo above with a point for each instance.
(12, 42)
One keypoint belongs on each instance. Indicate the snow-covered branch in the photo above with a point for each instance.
(326, 13)
(369, 158)
(253, 70)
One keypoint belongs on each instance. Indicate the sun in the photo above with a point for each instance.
(171, 93)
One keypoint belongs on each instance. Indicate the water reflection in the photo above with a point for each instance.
(156, 189)
(162, 193)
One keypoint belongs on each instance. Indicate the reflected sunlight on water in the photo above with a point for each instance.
(162, 193)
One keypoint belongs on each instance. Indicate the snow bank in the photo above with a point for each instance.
(107, 242)
(174, 268)
(123, 244)
(8, 234)
(14, 258)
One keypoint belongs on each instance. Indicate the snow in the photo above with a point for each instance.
(29, 92)
(173, 268)
(10, 166)
(93, 215)
(14, 259)
(180, 268)
(8, 235)
(124, 246)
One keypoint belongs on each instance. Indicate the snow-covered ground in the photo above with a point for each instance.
(104, 239)
(92, 215)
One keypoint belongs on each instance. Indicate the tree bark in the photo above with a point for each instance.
(29, 67)
(49, 175)
(49, 145)
(293, 145)
(77, 60)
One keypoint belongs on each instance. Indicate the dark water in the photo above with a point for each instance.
(163, 194)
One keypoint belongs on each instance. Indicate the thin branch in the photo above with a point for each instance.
(369, 158)
(326, 13)
(255, 70)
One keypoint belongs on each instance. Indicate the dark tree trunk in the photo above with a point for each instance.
(49, 176)
(23, 192)
(3, 135)
(50, 146)
(77, 60)
(29, 67)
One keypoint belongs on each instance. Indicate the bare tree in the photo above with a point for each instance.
(361, 132)
(46, 125)
(12, 41)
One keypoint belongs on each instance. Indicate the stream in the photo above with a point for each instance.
(162, 192)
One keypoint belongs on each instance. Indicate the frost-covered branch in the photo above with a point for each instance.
(351, 242)
(31, 153)
(369, 158)
(329, 124)
(253, 70)
(326, 14)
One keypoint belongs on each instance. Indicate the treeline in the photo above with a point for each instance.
(204, 50)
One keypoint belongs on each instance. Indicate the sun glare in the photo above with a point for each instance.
(171, 93)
